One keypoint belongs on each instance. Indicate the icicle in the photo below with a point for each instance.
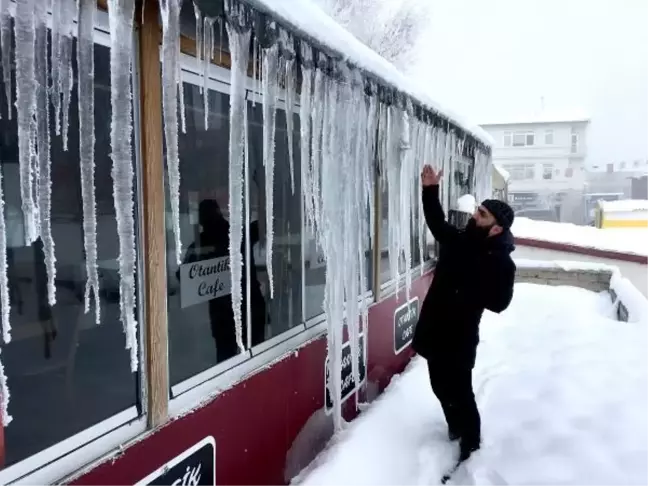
(5, 41)
(199, 36)
(4, 398)
(255, 68)
(170, 15)
(65, 73)
(305, 110)
(85, 86)
(248, 242)
(208, 48)
(42, 139)
(121, 31)
(4, 281)
(270, 79)
(290, 100)
(25, 35)
(239, 39)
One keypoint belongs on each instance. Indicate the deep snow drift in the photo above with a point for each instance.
(562, 389)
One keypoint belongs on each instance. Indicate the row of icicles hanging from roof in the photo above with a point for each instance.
(344, 129)
(343, 125)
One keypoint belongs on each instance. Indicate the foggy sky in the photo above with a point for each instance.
(494, 59)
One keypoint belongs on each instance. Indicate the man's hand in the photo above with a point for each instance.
(429, 177)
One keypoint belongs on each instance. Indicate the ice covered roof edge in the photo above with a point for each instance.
(313, 24)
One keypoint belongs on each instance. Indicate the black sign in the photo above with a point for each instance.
(195, 466)
(348, 382)
(405, 318)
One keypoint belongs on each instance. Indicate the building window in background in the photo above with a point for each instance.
(547, 171)
(549, 137)
(507, 139)
(521, 172)
(574, 142)
(569, 172)
(523, 139)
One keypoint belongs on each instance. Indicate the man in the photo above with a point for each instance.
(474, 272)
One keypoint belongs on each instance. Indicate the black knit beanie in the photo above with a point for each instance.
(502, 212)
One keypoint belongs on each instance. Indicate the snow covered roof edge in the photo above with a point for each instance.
(314, 25)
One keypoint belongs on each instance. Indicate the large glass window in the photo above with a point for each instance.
(201, 321)
(65, 373)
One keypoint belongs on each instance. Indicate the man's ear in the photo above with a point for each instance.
(495, 230)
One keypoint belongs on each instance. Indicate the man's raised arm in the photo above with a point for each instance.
(442, 231)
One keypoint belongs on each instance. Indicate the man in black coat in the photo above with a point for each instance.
(474, 272)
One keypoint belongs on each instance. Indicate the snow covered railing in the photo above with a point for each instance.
(591, 277)
(632, 306)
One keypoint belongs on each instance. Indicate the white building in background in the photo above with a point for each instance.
(545, 157)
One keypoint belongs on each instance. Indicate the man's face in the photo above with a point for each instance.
(486, 221)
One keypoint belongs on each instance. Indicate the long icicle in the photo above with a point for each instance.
(25, 35)
(170, 15)
(5, 42)
(42, 138)
(239, 40)
(85, 87)
(270, 80)
(4, 281)
(120, 14)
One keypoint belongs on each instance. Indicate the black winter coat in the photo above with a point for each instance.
(473, 273)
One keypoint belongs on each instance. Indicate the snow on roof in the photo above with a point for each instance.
(503, 172)
(623, 240)
(543, 117)
(306, 16)
(624, 205)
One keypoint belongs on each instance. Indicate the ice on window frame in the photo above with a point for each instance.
(120, 15)
(239, 40)
(208, 54)
(289, 76)
(86, 106)
(170, 15)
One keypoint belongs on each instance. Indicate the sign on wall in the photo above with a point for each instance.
(195, 466)
(405, 318)
(204, 280)
(348, 382)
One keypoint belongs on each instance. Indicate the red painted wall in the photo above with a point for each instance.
(256, 422)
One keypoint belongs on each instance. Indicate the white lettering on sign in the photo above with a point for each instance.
(191, 477)
(204, 280)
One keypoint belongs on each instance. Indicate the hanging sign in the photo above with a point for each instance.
(348, 382)
(204, 280)
(405, 318)
(195, 466)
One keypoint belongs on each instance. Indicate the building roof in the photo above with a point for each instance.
(575, 116)
(308, 18)
(624, 205)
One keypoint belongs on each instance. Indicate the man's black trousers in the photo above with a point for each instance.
(452, 384)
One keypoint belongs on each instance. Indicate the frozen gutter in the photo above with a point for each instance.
(333, 39)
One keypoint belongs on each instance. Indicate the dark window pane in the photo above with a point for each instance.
(285, 307)
(64, 372)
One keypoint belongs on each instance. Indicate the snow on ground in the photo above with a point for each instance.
(630, 240)
(562, 389)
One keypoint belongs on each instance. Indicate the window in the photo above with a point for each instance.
(574, 142)
(547, 171)
(201, 323)
(520, 172)
(569, 172)
(523, 139)
(549, 137)
(65, 373)
(507, 139)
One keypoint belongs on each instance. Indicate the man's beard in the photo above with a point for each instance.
(477, 232)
